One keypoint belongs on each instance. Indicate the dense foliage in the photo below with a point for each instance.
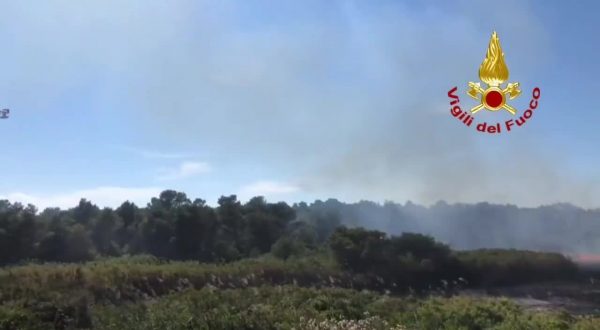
(171, 226)
(411, 260)
(298, 308)
(494, 267)
(307, 293)
(182, 264)
(559, 227)
(416, 261)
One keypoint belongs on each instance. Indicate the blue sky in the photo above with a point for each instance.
(115, 100)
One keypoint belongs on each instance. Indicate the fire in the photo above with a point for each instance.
(587, 258)
(493, 71)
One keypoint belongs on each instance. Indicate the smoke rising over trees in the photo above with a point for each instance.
(172, 226)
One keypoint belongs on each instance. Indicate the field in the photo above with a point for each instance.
(265, 293)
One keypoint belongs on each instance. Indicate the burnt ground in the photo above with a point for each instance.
(575, 298)
(579, 298)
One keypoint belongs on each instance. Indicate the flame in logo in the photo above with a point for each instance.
(493, 71)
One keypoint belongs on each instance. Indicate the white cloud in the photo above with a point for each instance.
(185, 170)
(267, 189)
(101, 196)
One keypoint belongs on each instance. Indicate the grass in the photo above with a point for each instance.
(289, 307)
(309, 293)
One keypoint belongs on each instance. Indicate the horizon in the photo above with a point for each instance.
(144, 204)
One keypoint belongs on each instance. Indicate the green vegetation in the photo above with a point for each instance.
(171, 227)
(292, 307)
(178, 264)
(265, 293)
(494, 267)
(311, 292)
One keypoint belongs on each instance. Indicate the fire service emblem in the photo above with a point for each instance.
(493, 95)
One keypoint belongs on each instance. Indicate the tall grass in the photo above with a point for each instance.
(144, 292)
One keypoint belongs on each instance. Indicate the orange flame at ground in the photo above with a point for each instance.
(493, 71)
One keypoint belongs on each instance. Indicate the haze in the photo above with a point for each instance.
(114, 100)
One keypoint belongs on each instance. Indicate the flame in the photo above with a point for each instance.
(493, 70)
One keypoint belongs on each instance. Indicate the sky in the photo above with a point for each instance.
(292, 100)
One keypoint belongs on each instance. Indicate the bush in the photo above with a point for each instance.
(409, 260)
(418, 261)
(493, 267)
(287, 247)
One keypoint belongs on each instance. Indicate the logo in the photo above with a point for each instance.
(493, 95)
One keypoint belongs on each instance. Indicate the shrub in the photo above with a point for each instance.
(493, 267)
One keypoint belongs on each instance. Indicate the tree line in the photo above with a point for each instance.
(555, 228)
(171, 226)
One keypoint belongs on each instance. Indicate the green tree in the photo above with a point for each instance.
(157, 237)
(266, 222)
(25, 233)
(18, 231)
(287, 247)
(53, 245)
(232, 227)
(359, 249)
(79, 245)
(127, 211)
(84, 211)
(195, 230)
(168, 200)
(103, 233)
(125, 233)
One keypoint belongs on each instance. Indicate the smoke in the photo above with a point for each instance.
(343, 99)
(354, 106)
(417, 151)
(558, 228)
